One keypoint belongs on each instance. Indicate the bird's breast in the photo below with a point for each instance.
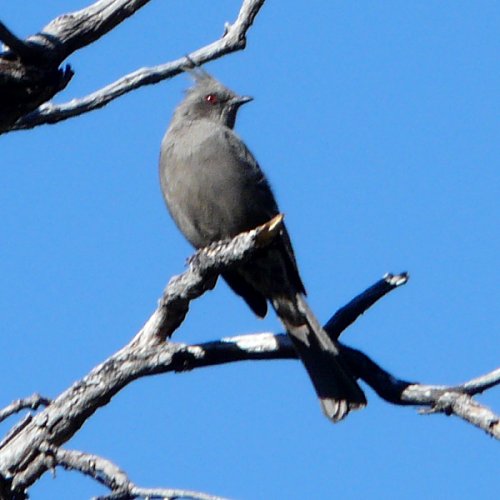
(210, 186)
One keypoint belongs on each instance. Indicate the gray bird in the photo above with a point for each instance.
(215, 189)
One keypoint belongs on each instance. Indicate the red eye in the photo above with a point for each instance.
(211, 98)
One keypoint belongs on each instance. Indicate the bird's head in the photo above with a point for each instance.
(209, 99)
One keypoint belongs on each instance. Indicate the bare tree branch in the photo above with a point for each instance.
(453, 400)
(348, 314)
(233, 39)
(32, 403)
(166, 494)
(70, 32)
(110, 475)
(102, 470)
(25, 454)
(29, 77)
(201, 276)
(22, 460)
(29, 70)
(481, 384)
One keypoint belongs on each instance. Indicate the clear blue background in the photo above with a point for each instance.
(378, 125)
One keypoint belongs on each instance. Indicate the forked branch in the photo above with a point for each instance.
(34, 446)
(74, 31)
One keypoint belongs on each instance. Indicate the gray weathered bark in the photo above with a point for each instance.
(30, 74)
(34, 446)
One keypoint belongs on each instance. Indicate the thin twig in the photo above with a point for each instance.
(102, 470)
(480, 384)
(348, 314)
(33, 402)
(110, 475)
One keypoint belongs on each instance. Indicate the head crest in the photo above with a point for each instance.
(199, 74)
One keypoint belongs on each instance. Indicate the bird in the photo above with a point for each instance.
(215, 189)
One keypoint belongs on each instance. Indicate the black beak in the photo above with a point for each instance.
(240, 100)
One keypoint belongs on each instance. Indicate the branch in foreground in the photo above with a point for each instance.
(233, 39)
(110, 475)
(204, 267)
(22, 456)
(453, 400)
(27, 453)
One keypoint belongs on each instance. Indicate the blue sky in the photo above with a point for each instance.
(378, 125)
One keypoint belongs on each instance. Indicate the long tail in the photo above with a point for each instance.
(336, 388)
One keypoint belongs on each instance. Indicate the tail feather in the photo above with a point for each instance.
(336, 388)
